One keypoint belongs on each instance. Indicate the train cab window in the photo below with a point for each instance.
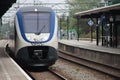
(36, 22)
(37, 26)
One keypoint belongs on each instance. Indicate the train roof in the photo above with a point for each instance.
(35, 8)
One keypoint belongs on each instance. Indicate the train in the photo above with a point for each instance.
(35, 38)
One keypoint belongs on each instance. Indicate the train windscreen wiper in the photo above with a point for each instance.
(38, 33)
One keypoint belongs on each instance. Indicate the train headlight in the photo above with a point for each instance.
(36, 10)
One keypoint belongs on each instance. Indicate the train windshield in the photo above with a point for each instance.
(37, 26)
(36, 23)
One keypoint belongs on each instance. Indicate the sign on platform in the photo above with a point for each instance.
(90, 23)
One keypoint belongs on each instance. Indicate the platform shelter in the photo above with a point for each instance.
(107, 23)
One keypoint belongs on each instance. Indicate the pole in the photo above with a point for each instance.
(34, 2)
(97, 32)
(102, 35)
(18, 3)
(78, 27)
(115, 31)
(111, 21)
(91, 34)
(67, 27)
(60, 28)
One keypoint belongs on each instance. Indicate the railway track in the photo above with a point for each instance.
(90, 64)
(57, 74)
(45, 75)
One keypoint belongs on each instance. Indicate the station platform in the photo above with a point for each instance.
(9, 70)
(107, 58)
(91, 46)
(90, 51)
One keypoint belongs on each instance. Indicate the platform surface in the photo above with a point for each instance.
(9, 70)
(91, 46)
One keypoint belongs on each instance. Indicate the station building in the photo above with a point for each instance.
(107, 23)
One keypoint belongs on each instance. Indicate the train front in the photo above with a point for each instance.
(36, 41)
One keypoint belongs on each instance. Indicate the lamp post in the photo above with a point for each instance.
(60, 27)
(67, 27)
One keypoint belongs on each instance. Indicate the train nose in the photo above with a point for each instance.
(37, 55)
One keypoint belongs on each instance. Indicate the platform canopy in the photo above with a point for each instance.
(5, 5)
(108, 19)
(97, 12)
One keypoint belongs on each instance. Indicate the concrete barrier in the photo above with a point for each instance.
(102, 57)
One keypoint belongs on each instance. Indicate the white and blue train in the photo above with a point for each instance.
(35, 36)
